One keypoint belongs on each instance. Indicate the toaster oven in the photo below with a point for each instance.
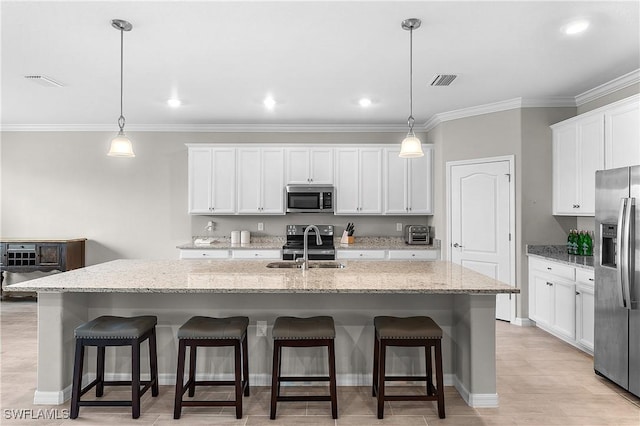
(417, 234)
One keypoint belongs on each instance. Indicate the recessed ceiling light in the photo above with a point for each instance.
(174, 103)
(576, 27)
(269, 102)
(365, 102)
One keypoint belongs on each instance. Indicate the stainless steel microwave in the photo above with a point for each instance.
(309, 198)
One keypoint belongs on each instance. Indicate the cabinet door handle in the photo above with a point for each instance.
(591, 279)
(577, 293)
(549, 269)
(548, 283)
(576, 206)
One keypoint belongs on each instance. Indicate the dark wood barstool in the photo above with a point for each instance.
(115, 331)
(303, 332)
(412, 331)
(206, 331)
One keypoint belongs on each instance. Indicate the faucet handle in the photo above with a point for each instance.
(299, 259)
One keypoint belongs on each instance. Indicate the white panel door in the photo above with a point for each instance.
(622, 139)
(419, 183)
(249, 176)
(223, 198)
(370, 181)
(298, 165)
(480, 223)
(200, 169)
(272, 181)
(395, 182)
(346, 181)
(321, 166)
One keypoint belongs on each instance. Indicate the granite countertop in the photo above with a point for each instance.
(239, 276)
(558, 253)
(276, 243)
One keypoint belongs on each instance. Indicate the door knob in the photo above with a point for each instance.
(456, 245)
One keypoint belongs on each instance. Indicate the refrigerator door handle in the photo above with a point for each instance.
(622, 253)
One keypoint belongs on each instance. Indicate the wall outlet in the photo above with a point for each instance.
(260, 226)
(398, 226)
(261, 328)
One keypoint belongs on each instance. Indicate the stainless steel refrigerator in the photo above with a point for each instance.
(617, 285)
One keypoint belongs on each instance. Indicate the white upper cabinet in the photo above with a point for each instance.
(309, 165)
(408, 185)
(358, 180)
(605, 138)
(212, 180)
(578, 151)
(260, 180)
(622, 137)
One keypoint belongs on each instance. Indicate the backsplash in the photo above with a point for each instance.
(382, 226)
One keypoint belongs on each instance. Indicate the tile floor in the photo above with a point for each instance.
(541, 381)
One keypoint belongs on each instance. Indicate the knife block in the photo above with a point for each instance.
(346, 239)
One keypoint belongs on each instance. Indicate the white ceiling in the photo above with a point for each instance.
(317, 59)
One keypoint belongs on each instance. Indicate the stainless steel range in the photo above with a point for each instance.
(293, 248)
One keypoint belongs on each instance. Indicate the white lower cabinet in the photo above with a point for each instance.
(561, 301)
(204, 254)
(256, 254)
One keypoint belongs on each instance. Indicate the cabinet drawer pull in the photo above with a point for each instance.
(577, 293)
(591, 279)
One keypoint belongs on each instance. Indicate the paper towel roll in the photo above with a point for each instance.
(245, 237)
(235, 237)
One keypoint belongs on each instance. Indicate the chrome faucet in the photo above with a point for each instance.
(305, 253)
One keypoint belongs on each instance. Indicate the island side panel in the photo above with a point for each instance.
(58, 316)
(474, 331)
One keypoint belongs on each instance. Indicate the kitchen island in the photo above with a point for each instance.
(461, 301)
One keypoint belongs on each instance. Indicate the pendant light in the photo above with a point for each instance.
(121, 145)
(411, 146)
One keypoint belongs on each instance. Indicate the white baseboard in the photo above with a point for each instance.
(484, 400)
(169, 379)
(524, 322)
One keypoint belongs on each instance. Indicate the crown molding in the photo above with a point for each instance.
(515, 103)
(609, 87)
(210, 128)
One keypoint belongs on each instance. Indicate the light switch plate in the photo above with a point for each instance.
(398, 226)
(260, 226)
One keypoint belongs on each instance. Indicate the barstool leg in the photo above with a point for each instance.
(332, 379)
(381, 377)
(275, 379)
(429, 369)
(439, 379)
(135, 379)
(77, 379)
(153, 363)
(376, 354)
(238, 379)
(192, 369)
(100, 371)
(177, 406)
(245, 364)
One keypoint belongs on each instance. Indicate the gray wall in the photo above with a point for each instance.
(62, 185)
(525, 134)
(610, 98)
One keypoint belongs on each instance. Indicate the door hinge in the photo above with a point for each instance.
(508, 175)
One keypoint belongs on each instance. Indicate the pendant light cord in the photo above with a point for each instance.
(410, 120)
(121, 118)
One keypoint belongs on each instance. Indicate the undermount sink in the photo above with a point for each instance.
(295, 265)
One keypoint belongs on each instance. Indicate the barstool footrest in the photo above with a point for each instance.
(208, 403)
(105, 403)
(305, 378)
(411, 397)
(304, 398)
(405, 378)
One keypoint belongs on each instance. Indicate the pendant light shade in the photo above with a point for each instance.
(121, 145)
(411, 146)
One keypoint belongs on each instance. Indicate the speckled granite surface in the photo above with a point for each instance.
(558, 253)
(224, 243)
(237, 276)
(383, 243)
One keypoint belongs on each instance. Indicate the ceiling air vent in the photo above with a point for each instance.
(43, 80)
(443, 79)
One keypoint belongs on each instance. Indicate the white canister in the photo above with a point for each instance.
(235, 237)
(245, 237)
